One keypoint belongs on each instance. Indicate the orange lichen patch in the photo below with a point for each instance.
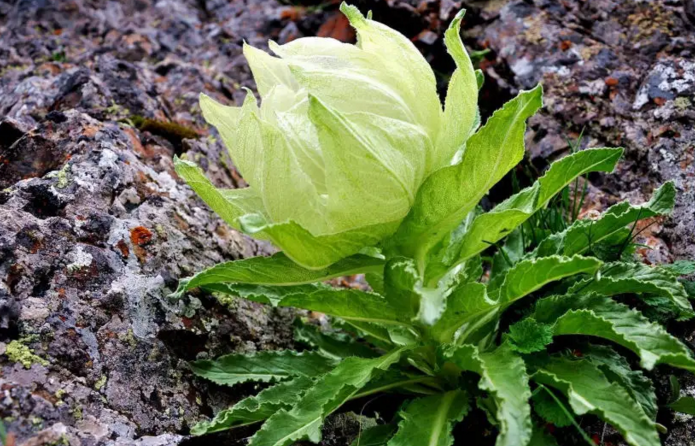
(181, 223)
(49, 67)
(90, 130)
(134, 139)
(338, 27)
(659, 101)
(140, 236)
(123, 248)
(293, 14)
(611, 81)
(565, 45)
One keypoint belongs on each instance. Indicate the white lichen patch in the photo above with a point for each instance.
(79, 259)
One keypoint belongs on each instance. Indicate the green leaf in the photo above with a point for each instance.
(589, 391)
(331, 390)
(406, 293)
(373, 333)
(256, 408)
(617, 369)
(401, 279)
(265, 366)
(508, 254)
(583, 234)
(243, 210)
(530, 275)
(311, 251)
(499, 222)
(461, 103)
(621, 278)
(471, 306)
(449, 194)
(593, 315)
(333, 344)
(348, 304)
(277, 270)
(541, 438)
(375, 436)
(684, 404)
(680, 267)
(503, 376)
(467, 309)
(549, 410)
(397, 382)
(428, 421)
(269, 295)
(528, 336)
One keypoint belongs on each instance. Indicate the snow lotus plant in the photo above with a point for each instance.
(355, 168)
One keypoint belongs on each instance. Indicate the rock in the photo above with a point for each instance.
(621, 72)
(96, 228)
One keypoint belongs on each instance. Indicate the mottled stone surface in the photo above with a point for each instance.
(95, 227)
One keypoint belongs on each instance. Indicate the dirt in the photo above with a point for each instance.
(96, 97)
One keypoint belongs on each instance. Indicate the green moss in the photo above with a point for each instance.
(161, 232)
(129, 338)
(682, 103)
(100, 383)
(226, 300)
(170, 130)
(18, 352)
(77, 412)
(64, 177)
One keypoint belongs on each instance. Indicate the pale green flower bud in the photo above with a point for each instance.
(343, 138)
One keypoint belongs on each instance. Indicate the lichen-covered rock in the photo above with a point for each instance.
(620, 73)
(95, 227)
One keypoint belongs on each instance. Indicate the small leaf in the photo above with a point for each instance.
(401, 279)
(548, 409)
(541, 438)
(530, 275)
(684, 404)
(428, 421)
(621, 278)
(675, 387)
(528, 336)
(331, 390)
(374, 436)
(593, 315)
(680, 267)
(277, 270)
(256, 408)
(589, 391)
(334, 344)
(265, 366)
(461, 103)
(467, 309)
(264, 294)
(503, 376)
(617, 369)
(583, 234)
(347, 304)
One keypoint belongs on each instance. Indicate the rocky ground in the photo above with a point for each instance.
(95, 228)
